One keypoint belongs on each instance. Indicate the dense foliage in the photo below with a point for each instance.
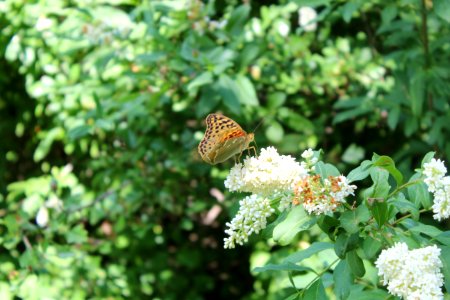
(102, 105)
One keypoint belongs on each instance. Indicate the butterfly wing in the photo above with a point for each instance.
(223, 139)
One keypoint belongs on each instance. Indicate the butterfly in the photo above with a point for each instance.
(223, 139)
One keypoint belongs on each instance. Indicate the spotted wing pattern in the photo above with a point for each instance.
(219, 129)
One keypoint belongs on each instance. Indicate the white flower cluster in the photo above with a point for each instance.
(276, 178)
(43, 214)
(411, 274)
(251, 218)
(265, 175)
(439, 185)
(306, 16)
(434, 171)
(319, 197)
(343, 188)
(310, 160)
(268, 177)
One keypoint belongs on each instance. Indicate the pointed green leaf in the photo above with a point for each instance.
(355, 263)
(297, 220)
(350, 219)
(343, 279)
(316, 291)
(311, 250)
(286, 266)
(388, 164)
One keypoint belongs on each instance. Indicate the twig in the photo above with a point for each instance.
(27, 243)
(320, 274)
(398, 189)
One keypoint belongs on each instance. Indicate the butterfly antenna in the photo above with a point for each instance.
(259, 124)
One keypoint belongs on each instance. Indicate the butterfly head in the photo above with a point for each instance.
(250, 137)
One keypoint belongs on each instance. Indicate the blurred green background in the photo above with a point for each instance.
(102, 192)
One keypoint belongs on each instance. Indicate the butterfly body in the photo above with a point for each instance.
(223, 139)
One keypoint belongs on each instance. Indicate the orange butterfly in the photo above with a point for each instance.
(223, 139)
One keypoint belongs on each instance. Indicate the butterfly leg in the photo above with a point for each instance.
(254, 150)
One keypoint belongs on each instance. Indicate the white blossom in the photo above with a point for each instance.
(265, 175)
(251, 218)
(310, 160)
(305, 16)
(441, 203)
(439, 185)
(42, 216)
(434, 171)
(283, 29)
(308, 154)
(412, 275)
(322, 196)
(43, 23)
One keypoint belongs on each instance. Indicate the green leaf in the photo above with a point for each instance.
(411, 125)
(275, 132)
(11, 224)
(444, 238)
(311, 250)
(312, 3)
(417, 94)
(238, 19)
(294, 296)
(351, 113)
(29, 259)
(315, 292)
(276, 100)
(200, 80)
(371, 247)
(326, 170)
(328, 225)
(246, 91)
(427, 158)
(426, 229)
(355, 263)
(227, 89)
(404, 206)
(56, 133)
(393, 117)
(380, 187)
(353, 154)
(360, 172)
(442, 9)
(445, 258)
(286, 266)
(369, 294)
(77, 235)
(150, 58)
(248, 55)
(343, 279)
(388, 164)
(418, 193)
(351, 219)
(297, 220)
(380, 210)
(208, 101)
(345, 243)
(348, 10)
(79, 132)
(388, 14)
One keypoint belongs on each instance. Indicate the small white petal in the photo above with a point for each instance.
(42, 217)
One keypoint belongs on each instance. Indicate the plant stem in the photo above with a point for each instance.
(398, 189)
(426, 49)
(424, 34)
(409, 215)
(321, 273)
